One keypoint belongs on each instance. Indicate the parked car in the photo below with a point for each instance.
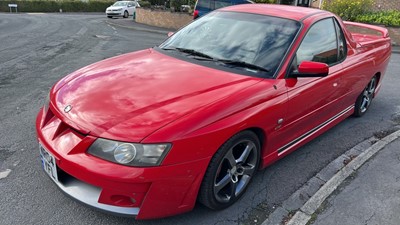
(148, 133)
(122, 8)
(203, 7)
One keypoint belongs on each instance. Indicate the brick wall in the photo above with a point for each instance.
(394, 35)
(384, 4)
(161, 18)
(387, 4)
(316, 3)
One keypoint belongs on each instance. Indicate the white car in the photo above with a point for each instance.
(122, 8)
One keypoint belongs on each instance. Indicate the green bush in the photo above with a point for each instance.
(346, 9)
(388, 18)
(55, 6)
(265, 1)
(155, 2)
(145, 4)
(176, 4)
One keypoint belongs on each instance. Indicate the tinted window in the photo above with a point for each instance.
(222, 3)
(203, 4)
(256, 39)
(319, 44)
(120, 4)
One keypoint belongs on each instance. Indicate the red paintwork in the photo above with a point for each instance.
(140, 97)
(307, 67)
(151, 96)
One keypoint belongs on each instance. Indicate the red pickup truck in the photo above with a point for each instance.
(148, 133)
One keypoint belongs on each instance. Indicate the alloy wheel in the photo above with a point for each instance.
(235, 171)
(368, 94)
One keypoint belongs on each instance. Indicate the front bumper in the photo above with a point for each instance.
(115, 13)
(146, 193)
(89, 195)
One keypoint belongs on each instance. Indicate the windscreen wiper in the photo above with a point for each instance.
(242, 64)
(190, 52)
(224, 61)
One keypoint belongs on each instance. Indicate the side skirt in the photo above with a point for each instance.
(313, 131)
(308, 136)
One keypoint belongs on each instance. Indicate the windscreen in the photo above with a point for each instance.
(252, 38)
(120, 4)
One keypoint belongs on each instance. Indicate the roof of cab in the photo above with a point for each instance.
(284, 11)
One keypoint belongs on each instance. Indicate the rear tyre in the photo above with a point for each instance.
(365, 98)
(109, 16)
(230, 171)
(126, 14)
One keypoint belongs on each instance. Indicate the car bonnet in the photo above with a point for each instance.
(130, 96)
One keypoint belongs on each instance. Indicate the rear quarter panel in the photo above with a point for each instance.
(368, 55)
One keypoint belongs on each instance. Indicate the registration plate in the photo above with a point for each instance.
(48, 163)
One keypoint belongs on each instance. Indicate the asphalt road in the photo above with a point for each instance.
(36, 50)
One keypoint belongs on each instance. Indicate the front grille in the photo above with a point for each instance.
(63, 177)
(49, 115)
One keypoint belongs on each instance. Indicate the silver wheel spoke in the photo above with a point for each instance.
(246, 152)
(248, 170)
(366, 92)
(242, 184)
(365, 103)
(229, 156)
(371, 87)
(222, 183)
(233, 189)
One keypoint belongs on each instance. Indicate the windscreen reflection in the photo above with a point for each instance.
(257, 39)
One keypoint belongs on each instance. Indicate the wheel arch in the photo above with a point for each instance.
(260, 133)
(261, 137)
(378, 77)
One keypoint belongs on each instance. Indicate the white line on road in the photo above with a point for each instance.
(82, 31)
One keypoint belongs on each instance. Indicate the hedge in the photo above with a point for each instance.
(55, 6)
(388, 18)
(157, 2)
(265, 1)
(346, 9)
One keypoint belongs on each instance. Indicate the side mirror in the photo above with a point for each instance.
(170, 34)
(311, 69)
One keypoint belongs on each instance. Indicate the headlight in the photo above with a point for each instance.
(119, 9)
(130, 154)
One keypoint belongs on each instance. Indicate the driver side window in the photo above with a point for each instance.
(319, 45)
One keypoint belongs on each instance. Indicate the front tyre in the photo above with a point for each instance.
(230, 171)
(365, 98)
(126, 14)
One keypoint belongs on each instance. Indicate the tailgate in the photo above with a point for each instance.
(365, 34)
